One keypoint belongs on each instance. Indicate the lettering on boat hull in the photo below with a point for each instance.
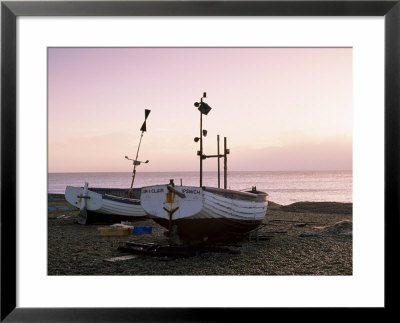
(161, 202)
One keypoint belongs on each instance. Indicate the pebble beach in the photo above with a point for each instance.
(304, 238)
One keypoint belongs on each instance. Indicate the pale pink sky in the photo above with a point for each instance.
(280, 108)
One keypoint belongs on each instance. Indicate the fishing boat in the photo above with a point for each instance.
(205, 214)
(105, 205)
(102, 204)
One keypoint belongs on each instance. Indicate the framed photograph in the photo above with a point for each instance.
(298, 104)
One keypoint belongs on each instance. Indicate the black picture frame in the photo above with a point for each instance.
(11, 10)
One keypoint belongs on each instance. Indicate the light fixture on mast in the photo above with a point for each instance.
(204, 108)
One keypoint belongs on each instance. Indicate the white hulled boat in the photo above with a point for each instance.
(202, 214)
(100, 204)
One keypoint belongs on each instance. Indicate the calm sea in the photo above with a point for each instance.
(282, 187)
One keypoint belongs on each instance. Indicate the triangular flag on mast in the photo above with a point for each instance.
(146, 114)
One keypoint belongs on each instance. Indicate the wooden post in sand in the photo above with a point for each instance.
(225, 164)
(82, 217)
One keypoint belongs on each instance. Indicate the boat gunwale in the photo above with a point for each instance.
(224, 191)
(220, 191)
(120, 199)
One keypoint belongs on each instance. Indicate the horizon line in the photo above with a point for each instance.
(210, 171)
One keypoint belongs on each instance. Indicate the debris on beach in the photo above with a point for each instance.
(180, 251)
(264, 237)
(296, 223)
(344, 228)
(116, 230)
(119, 229)
(56, 197)
(257, 237)
(127, 223)
(273, 232)
(142, 229)
(60, 208)
(121, 258)
(63, 216)
(309, 235)
(63, 208)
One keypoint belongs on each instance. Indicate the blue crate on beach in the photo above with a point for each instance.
(142, 229)
(64, 208)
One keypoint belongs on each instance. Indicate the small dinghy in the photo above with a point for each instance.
(105, 205)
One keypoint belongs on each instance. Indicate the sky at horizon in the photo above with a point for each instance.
(281, 109)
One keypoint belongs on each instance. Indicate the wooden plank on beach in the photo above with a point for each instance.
(292, 221)
(265, 237)
(115, 231)
(284, 220)
(121, 258)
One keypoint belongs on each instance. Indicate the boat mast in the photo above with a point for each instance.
(201, 145)
(135, 161)
(204, 108)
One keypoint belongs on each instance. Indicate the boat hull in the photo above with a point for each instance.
(204, 213)
(101, 207)
(211, 229)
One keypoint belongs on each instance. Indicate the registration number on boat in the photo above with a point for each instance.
(153, 190)
(190, 191)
